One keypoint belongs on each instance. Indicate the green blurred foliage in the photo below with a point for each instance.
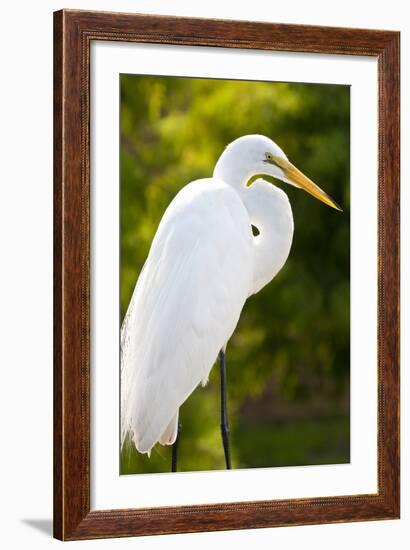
(288, 360)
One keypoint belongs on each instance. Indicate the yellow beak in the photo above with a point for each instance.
(296, 177)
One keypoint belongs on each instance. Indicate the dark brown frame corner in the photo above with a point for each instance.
(73, 33)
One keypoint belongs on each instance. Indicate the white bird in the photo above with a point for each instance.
(203, 264)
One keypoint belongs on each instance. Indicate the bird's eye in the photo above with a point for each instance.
(269, 157)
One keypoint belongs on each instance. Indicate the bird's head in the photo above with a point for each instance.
(256, 155)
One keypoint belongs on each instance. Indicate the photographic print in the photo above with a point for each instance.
(226, 275)
(234, 274)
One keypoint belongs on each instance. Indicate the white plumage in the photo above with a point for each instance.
(203, 264)
(184, 308)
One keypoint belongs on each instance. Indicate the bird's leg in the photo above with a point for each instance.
(224, 412)
(175, 451)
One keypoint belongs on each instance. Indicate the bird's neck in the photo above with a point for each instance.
(270, 212)
(234, 171)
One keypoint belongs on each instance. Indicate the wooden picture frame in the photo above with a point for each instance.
(74, 32)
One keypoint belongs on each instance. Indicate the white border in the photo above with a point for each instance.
(108, 489)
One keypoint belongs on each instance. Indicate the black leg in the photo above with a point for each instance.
(175, 451)
(224, 412)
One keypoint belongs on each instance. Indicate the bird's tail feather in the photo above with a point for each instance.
(169, 435)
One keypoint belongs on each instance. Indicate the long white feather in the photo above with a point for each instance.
(185, 306)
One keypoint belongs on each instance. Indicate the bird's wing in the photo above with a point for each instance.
(184, 308)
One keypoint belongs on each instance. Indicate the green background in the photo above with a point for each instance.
(288, 360)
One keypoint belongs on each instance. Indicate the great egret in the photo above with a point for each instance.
(203, 264)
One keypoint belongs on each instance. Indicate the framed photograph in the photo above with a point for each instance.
(226, 275)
